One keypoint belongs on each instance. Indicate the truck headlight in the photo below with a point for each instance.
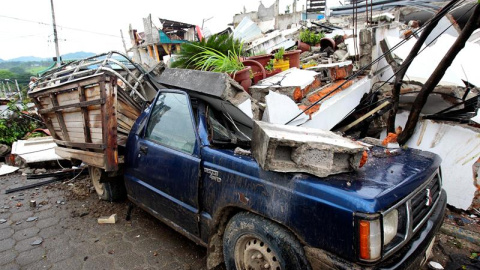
(370, 239)
(371, 232)
(390, 226)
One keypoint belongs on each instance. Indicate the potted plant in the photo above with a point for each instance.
(270, 70)
(209, 59)
(279, 62)
(293, 57)
(222, 43)
(303, 43)
(262, 57)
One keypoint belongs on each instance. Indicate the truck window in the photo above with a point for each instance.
(224, 132)
(170, 123)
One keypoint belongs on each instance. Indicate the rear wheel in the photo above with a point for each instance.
(253, 242)
(107, 188)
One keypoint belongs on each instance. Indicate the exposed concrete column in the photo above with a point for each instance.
(365, 47)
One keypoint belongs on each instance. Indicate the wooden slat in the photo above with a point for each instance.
(81, 105)
(97, 146)
(68, 86)
(60, 118)
(81, 129)
(90, 158)
(92, 93)
(86, 119)
(79, 124)
(80, 134)
(67, 98)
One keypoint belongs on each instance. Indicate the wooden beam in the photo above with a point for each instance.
(82, 105)
(157, 55)
(97, 146)
(109, 125)
(68, 86)
(356, 122)
(85, 117)
(90, 158)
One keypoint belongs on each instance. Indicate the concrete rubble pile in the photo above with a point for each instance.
(343, 82)
(329, 97)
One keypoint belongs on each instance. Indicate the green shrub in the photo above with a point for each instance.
(219, 43)
(17, 125)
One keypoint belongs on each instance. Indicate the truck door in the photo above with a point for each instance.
(166, 169)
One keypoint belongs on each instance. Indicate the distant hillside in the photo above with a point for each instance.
(77, 55)
(27, 59)
(68, 56)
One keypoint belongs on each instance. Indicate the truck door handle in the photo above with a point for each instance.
(143, 149)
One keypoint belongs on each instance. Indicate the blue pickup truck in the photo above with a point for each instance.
(180, 162)
(181, 166)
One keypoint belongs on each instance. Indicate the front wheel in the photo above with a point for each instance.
(107, 188)
(253, 242)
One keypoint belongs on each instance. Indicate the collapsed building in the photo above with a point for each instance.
(343, 84)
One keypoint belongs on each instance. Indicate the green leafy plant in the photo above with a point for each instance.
(279, 54)
(312, 62)
(209, 59)
(269, 66)
(221, 43)
(310, 37)
(17, 124)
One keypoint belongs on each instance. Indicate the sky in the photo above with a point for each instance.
(94, 25)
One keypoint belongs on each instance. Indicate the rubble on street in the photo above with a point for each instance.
(364, 117)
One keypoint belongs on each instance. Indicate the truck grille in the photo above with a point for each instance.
(423, 201)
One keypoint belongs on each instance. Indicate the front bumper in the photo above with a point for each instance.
(411, 256)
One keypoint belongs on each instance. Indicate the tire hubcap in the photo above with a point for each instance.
(252, 253)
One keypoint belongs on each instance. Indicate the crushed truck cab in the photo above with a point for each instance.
(183, 165)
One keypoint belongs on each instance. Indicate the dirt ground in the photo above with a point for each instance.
(71, 238)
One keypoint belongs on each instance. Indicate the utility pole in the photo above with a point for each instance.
(123, 40)
(55, 38)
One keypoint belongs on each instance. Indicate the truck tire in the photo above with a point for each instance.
(253, 242)
(107, 188)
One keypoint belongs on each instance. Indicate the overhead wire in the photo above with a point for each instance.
(437, 17)
(400, 69)
(65, 27)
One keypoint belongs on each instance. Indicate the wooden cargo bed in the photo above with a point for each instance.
(89, 118)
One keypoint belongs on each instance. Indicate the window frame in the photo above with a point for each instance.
(192, 119)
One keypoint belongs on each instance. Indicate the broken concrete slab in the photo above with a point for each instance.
(218, 89)
(463, 67)
(297, 149)
(35, 150)
(281, 109)
(294, 82)
(335, 71)
(6, 169)
(211, 83)
(337, 107)
(457, 145)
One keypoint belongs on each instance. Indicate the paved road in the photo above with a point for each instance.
(72, 238)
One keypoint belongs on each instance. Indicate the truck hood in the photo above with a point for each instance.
(384, 180)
